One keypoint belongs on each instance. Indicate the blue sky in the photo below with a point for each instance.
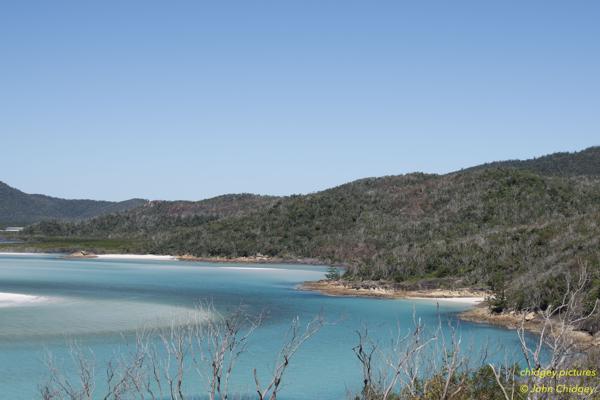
(191, 99)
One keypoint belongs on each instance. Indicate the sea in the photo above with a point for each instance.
(100, 306)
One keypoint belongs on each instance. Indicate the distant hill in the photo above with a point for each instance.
(582, 163)
(18, 208)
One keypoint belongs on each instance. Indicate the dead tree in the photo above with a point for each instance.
(218, 344)
(364, 351)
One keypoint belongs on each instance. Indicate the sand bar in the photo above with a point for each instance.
(16, 299)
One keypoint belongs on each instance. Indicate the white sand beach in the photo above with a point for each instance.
(16, 299)
(135, 257)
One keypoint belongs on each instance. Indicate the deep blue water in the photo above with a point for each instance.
(100, 303)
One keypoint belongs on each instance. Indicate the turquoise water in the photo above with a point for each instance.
(100, 304)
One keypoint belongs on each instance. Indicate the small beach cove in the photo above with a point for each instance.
(477, 310)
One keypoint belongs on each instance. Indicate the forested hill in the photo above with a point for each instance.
(18, 208)
(585, 162)
(159, 219)
(480, 227)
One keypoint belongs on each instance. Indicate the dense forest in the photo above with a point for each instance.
(515, 227)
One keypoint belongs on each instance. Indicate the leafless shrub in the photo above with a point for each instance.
(161, 361)
(296, 337)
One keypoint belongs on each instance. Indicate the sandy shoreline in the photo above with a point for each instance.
(85, 254)
(457, 300)
(17, 299)
(135, 257)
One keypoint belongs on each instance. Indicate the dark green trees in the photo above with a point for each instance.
(333, 274)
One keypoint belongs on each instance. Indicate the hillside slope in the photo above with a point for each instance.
(19, 208)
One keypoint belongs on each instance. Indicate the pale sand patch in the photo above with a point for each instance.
(16, 299)
(460, 300)
(135, 257)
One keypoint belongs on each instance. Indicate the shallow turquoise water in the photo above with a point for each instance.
(100, 304)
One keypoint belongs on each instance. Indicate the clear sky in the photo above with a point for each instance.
(191, 99)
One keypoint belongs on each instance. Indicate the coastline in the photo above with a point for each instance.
(477, 313)
(258, 259)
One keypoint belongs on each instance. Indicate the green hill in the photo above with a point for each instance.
(18, 208)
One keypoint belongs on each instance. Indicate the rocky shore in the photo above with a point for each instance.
(81, 254)
(390, 291)
(532, 322)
